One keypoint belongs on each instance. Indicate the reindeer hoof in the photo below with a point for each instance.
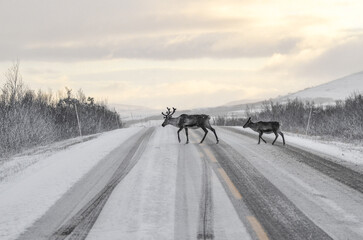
(217, 142)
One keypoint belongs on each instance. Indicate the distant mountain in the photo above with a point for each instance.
(327, 93)
(124, 107)
(245, 101)
(338, 89)
(133, 112)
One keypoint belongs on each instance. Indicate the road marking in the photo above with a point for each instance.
(261, 234)
(210, 155)
(230, 185)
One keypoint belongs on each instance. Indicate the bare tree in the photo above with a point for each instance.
(13, 88)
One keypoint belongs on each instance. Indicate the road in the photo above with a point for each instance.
(152, 187)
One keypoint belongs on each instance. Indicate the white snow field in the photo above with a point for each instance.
(141, 183)
(28, 194)
(338, 89)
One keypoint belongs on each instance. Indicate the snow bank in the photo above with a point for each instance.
(28, 194)
(9, 168)
(142, 205)
(348, 154)
(150, 123)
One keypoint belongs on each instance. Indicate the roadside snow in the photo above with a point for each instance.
(160, 197)
(347, 154)
(331, 205)
(28, 194)
(142, 205)
(9, 168)
(150, 123)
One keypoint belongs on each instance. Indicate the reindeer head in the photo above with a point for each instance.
(168, 115)
(247, 124)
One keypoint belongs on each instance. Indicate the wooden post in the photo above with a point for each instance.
(307, 126)
(79, 123)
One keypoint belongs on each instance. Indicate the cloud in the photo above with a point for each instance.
(318, 59)
(341, 59)
(137, 52)
(168, 47)
(38, 30)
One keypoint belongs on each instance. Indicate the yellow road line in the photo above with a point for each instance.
(261, 234)
(201, 154)
(210, 155)
(230, 185)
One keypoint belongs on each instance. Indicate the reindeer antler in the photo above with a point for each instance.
(169, 113)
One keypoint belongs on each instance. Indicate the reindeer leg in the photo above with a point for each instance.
(206, 131)
(283, 138)
(186, 133)
(215, 134)
(179, 132)
(260, 137)
(275, 137)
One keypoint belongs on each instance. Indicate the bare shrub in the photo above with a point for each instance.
(343, 120)
(29, 118)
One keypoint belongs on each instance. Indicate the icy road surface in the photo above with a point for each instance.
(140, 183)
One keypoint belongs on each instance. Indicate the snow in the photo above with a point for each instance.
(148, 210)
(27, 194)
(331, 205)
(10, 167)
(348, 154)
(146, 204)
(149, 123)
(231, 226)
(132, 112)
(324, 94)
(338, 89)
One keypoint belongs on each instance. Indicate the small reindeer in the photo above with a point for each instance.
(188, 121)
(265, 127)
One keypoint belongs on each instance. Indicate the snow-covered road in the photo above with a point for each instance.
(140, 183)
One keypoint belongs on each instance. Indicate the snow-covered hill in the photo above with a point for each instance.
(338, 89)
(132, 112)
(325, 94)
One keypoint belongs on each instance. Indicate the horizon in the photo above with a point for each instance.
(189, 54)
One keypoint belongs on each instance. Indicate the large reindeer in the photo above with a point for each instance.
(265, 127)
(188, 121)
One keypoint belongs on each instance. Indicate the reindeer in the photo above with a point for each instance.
(265, 127)
(188, 121)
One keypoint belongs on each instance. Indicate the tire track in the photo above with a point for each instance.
(241, 210)
(181, 229)
(80, 224)
(205, 229)
(329, 168)
(280, 218)
(188, 189)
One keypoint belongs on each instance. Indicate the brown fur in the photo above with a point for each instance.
(265, 127)
(185, 121)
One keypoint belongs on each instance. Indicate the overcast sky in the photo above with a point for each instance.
(189, 53)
